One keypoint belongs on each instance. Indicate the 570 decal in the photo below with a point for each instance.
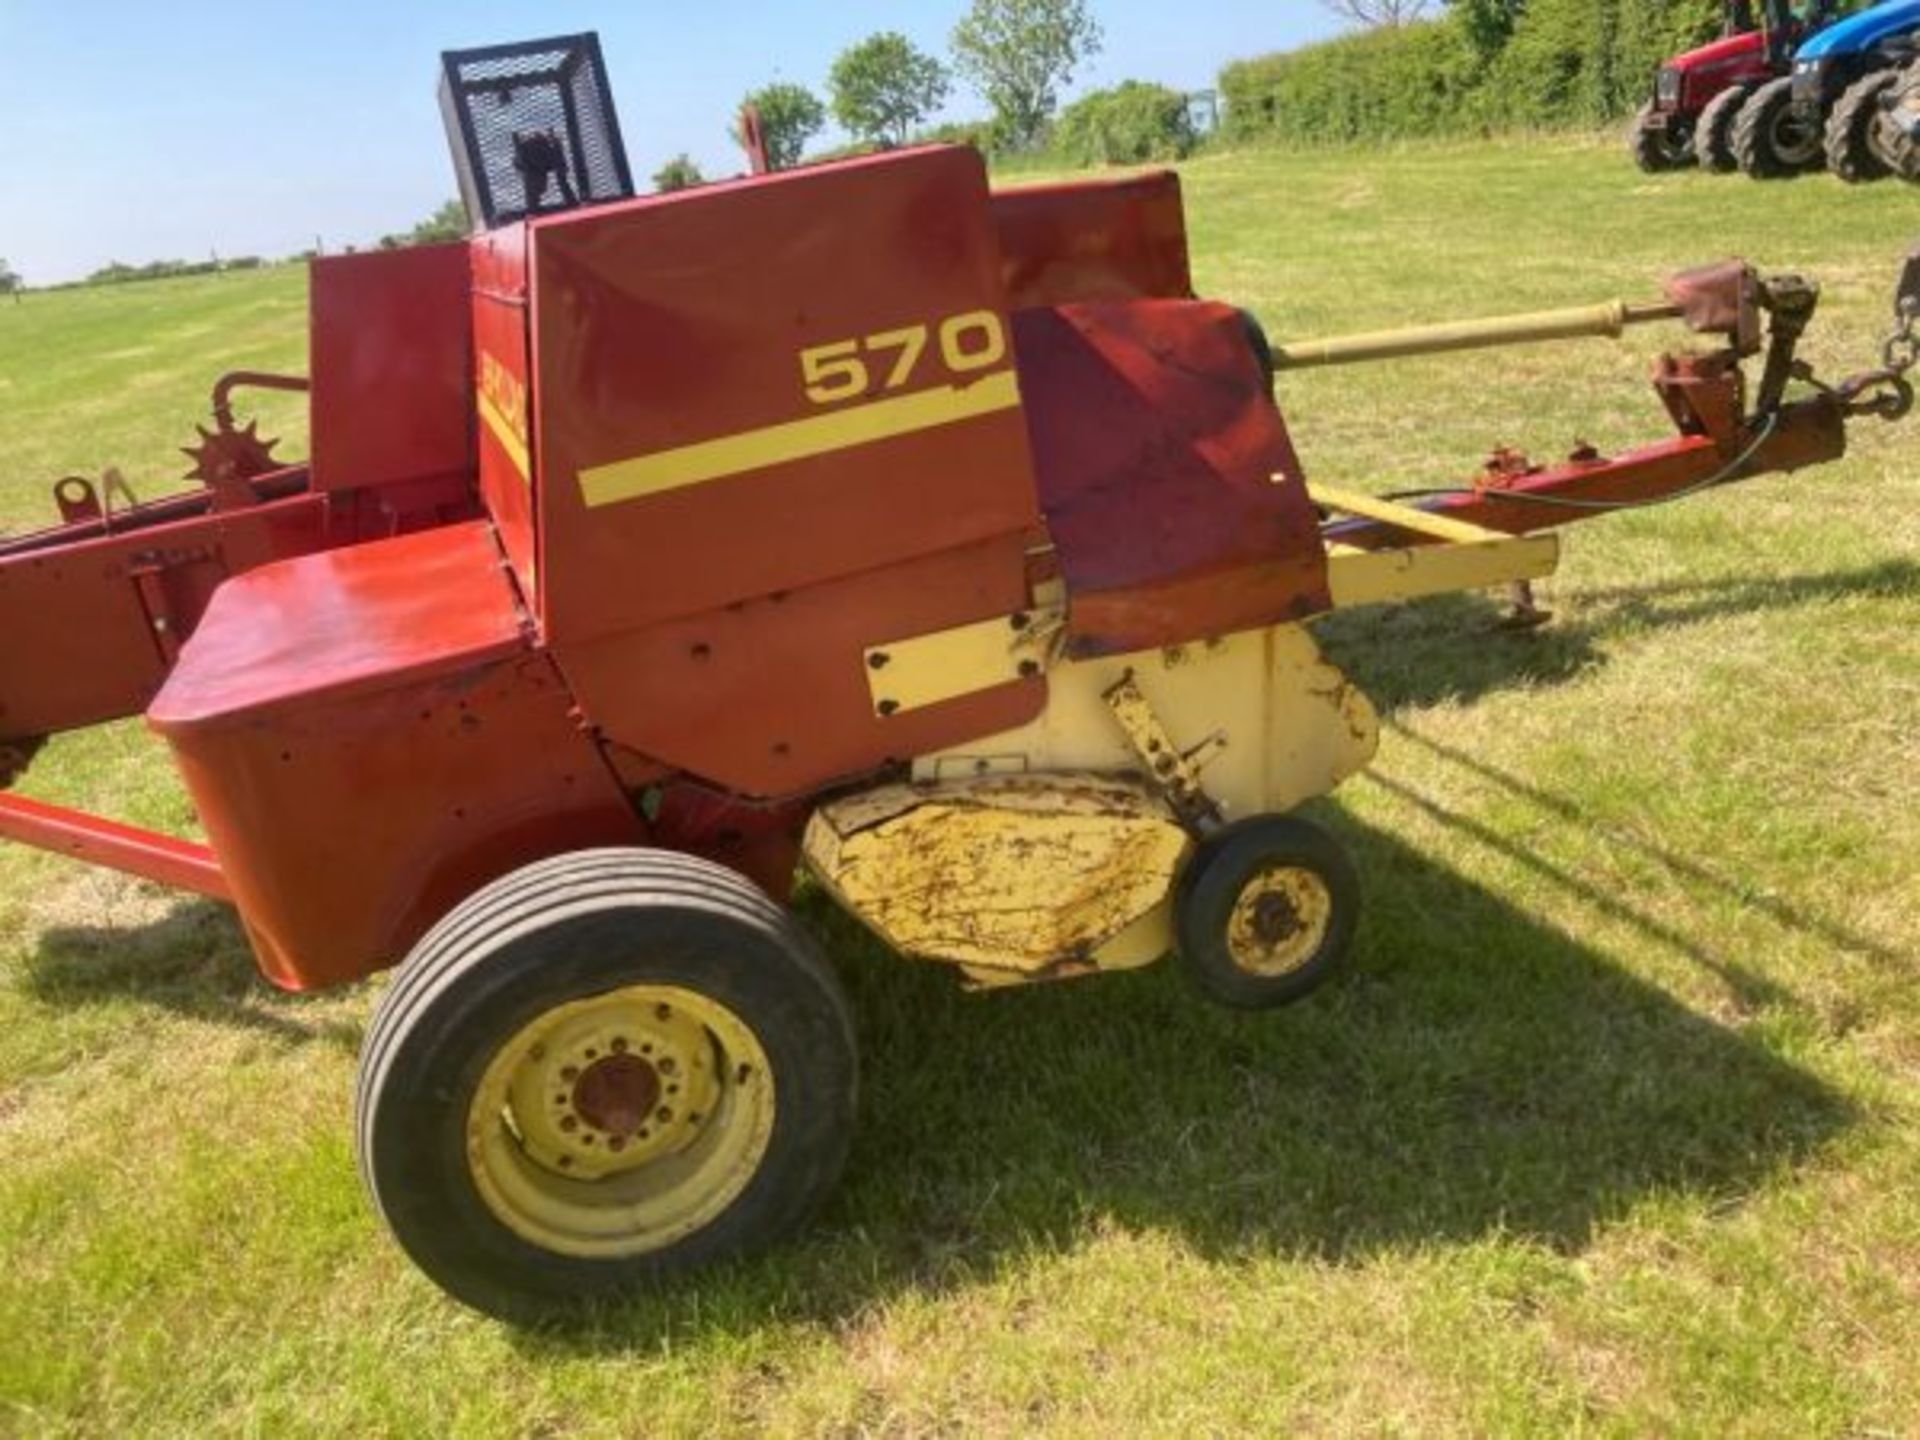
(846, 369)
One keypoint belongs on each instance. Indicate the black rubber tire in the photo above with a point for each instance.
(1656, 148)
(1713, 131)
(1760, 128)
(1849, 137)
(1225, 863)
(1896, 150)
(566, 929)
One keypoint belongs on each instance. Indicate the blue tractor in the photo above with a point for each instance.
(1825, 112)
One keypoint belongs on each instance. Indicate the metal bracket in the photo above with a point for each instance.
(1174, 774)
(923, 670)
(1454, 555)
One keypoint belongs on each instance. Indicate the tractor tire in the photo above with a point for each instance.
(1894, 144)
(1851, 153)
(600, 1071)
(1657, 146)
(1772, 139)
(1713, 132)
(1265, 912)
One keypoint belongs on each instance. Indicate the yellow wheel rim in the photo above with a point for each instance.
(617, 1125)
(1280, 921)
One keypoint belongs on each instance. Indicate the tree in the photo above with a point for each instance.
(884, 87)
(1378, 14)
(679, 173)
(1018, 53)
(10, 281)
(449, 222)
(790, 116)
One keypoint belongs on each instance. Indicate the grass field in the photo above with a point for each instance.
(1614, 1127)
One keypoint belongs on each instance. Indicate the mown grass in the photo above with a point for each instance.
(1612, 1128)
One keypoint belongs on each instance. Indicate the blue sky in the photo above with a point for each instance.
(139, 131)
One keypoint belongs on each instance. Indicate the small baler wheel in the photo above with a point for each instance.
(1713, 132)
(1265, 912)
(599, 1071)
(1771, 139)
(1849, 137)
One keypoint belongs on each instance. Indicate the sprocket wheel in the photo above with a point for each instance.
(226, 456)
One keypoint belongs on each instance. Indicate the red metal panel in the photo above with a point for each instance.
(1173, 495)
(391, 352)
(364, 617)
(770, 698)
(1108, 239)
(368, 739)
(98, 841)
(503, 381)
(679, 320)
(349, 824)
(79, 641)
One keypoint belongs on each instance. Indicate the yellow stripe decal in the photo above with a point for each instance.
(798, 439)
(510, 442)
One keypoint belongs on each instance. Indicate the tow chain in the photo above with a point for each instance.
(1887, 392)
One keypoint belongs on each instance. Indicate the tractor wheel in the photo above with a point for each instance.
(1713, 133)
(1774, 138)
(1894, 138)
(601, 1070)
(1266, 911)
(1850, 128)
(1658, 145)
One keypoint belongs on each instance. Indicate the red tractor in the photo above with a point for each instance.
(856, 516)
(1698, 94)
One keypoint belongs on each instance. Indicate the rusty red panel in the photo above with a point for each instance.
(87, 625)
(390, 344)
(1175, 500)
(1107, 239)
(503, 384)
(769, 697)
(683, 463)
(368, 739)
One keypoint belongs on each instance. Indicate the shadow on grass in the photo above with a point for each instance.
(194, 961)
(1477, 1075)
(1450, 647)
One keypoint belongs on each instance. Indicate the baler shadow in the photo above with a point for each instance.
(1450, 647)
(1479, 1074)
(193, 961)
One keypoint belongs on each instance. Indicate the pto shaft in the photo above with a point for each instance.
(1609, 320)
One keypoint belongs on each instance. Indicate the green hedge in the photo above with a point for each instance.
(1485, 64)
(1131, 123)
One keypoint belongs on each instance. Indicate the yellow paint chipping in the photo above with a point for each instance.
(1029, 876)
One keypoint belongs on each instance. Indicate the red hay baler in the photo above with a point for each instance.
(855, 516)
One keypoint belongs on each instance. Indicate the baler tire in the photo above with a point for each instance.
(667, 949)
(1713, 132)
(1655, 148)
(1756, 135)
(1265, 912)
(1849, 136)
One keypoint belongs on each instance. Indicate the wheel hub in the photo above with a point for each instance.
(615, 1124)
(1280, 921)
(618, 1094)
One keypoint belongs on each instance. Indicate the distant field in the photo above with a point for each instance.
(1615, 1127)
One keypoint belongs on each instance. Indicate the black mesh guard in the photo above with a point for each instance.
(532, 128)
